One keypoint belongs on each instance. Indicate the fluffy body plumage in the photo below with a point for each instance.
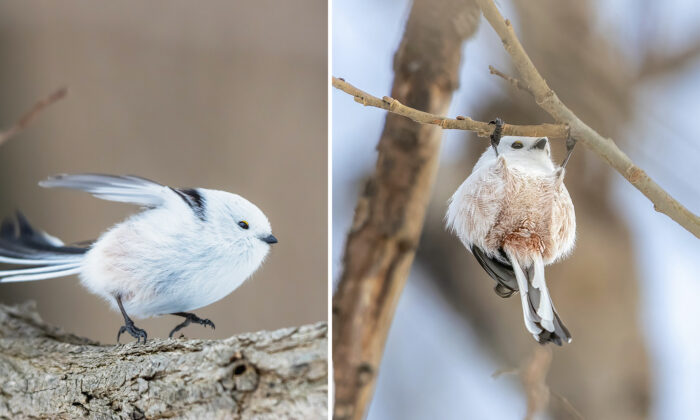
(515, 215)
(188, 249)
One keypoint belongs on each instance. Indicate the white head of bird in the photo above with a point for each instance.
(528, 153)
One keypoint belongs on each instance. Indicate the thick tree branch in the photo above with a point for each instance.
(483, 129)
(603, 147)
(47, 373)
(29, 116)
(390, 212)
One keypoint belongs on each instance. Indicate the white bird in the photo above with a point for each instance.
(515, 215)
(187, 249)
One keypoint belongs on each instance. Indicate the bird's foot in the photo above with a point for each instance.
(497, 133)
(570, 143)
(133, 330)
(190, 318)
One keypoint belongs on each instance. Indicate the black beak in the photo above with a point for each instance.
(270, 239)
(540, 144)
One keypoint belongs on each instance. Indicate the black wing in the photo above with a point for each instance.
(499, 271)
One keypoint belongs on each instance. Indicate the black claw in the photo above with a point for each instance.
(134, 331)
(189, 318)
(570, 143)
(497, 133)
(129, 326)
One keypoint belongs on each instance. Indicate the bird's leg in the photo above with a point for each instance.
(570, 143)
(129, 326)
(497, 133)
(188, 319)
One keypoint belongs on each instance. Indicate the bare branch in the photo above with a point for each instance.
(482, 129)
(29, 116)
(603, 147)
(534, 379)
(391, 209)
(512, 80)
(568, 406)
(533, 376)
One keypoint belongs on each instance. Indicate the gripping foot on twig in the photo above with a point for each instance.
(570, 143)
(189, 318)
(497, 133)
(129, 326)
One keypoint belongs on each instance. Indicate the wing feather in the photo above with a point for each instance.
(126, 189)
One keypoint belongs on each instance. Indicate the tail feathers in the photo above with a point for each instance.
(555, 332)
(541, 318)
(21, 244)
(25, 275)
(559, 336)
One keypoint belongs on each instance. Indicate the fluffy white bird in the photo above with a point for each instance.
(515, 215)
(187, 249)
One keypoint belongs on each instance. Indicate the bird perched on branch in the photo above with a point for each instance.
(188, 249)
(515, 216)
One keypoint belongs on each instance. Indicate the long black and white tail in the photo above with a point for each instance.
(541, 318)
(42, 255)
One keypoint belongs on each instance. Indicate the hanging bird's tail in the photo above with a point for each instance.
(44, 256)
(541, 318)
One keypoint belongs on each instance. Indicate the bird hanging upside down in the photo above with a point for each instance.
(515, 215)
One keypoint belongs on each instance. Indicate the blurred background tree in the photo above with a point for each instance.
(618, 291)
(227, 95)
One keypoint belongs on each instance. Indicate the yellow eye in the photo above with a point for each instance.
(243, 224)
(517, 145)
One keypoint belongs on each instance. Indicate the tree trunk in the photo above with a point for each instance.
(47, 373)
(389, 214)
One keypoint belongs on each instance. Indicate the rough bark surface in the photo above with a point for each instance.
(389, 214)
(47, 373)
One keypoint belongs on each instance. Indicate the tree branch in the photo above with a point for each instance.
(390, 212)
(482, 129)
(550, 102)
(29, 116)
(603, 147)
(47, 373)
(512, 80)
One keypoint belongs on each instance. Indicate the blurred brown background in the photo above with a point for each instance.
(224, 95)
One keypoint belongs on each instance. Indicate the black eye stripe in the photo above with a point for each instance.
(243, 224)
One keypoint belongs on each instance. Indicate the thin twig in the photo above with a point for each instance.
(533, 376)
(603, 147)
(482, 129)
(29, 116)
(512, 80)
(503, 371)
(568, 406)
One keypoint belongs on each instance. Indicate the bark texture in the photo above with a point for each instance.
(47, 373)
(389, 214)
